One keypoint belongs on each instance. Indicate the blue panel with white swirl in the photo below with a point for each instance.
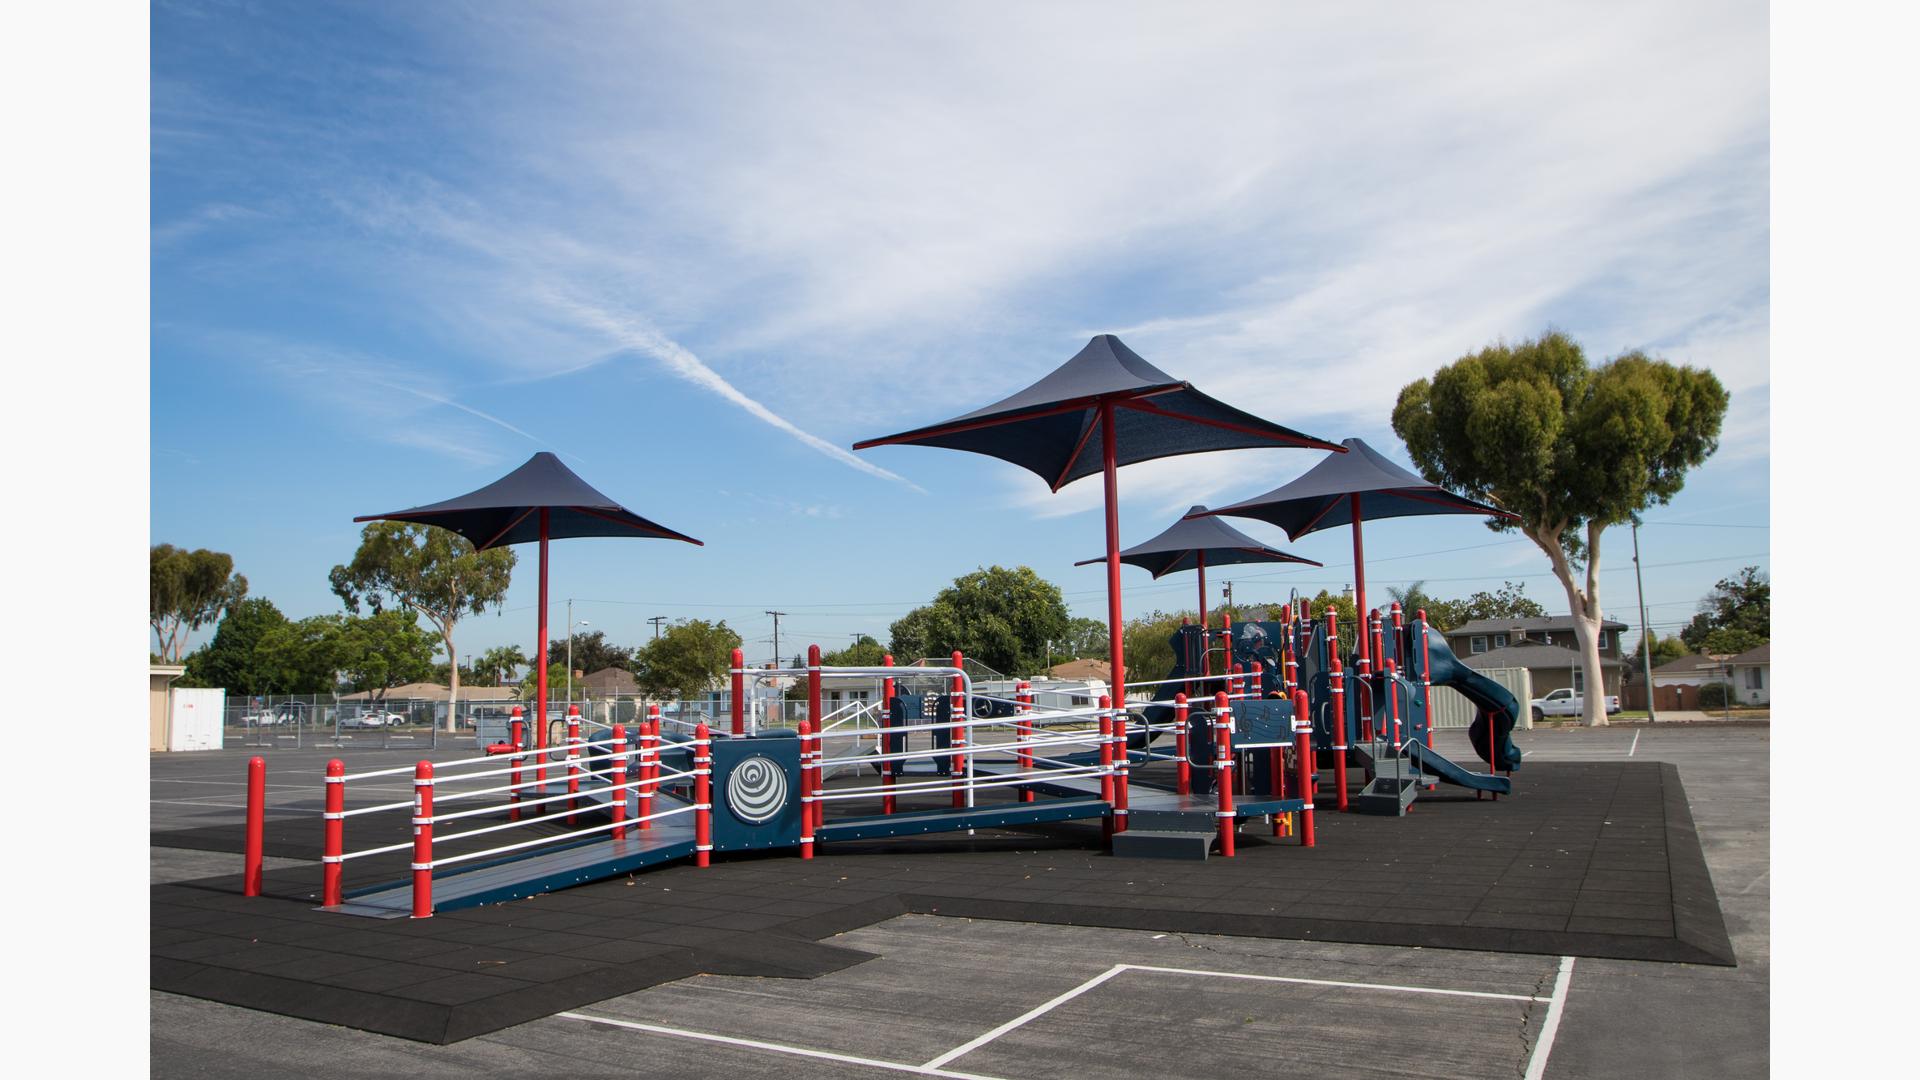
(756, 792)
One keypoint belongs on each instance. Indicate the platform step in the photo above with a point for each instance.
(1172, 821)
(1161, 844)
(1388, 795)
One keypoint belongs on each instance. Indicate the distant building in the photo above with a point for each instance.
(1550, 667)
(1545, 646)
(159, 712)
(1082, 671)
(1752, 676)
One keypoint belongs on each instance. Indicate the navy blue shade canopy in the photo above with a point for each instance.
(1052, 428)
(1323, 496)
(1194, 543)
(507, 510)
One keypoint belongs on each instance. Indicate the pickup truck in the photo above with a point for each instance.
(1564, 702)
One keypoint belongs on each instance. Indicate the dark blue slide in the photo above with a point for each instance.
(1496, 709)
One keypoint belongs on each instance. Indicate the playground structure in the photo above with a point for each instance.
(1249, 725)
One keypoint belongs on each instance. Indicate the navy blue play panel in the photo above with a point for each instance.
(1589, 859)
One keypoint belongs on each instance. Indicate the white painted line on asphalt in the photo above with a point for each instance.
(1117, 969)
(1636, 744)
(779, 1048)
(1331, 982)
(1537, 1065)
(1041, 1010)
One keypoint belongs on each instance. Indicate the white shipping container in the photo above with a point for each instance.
(197, 718)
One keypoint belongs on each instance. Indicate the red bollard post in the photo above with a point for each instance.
(1106, 765)
(1303, 763)
(1182, 774)
(819, 734)
(573, 760)
(1393, 699)
(649, 764)
(1223, 764)
(1023, 729)
(617, 777)
(960, 730)
(1426, 672)
(810, 772)
(1122, 760)
(739, 693)
(253, 872)
(1337, 684)
(333, 849)
(1379, 643)
(517, 733)
(806, 794)
(702, 795)
(886, 721)
(423, 840)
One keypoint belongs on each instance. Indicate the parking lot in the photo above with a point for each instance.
(948, 996)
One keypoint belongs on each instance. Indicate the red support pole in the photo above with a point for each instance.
(1223, 764)
(959, 729)
(1116, 625)
(649, 763)
(617, 776)
(1379, 653)
(1359, 586)
(423, 840)
(1426, 672)
(1122, 761)
(334, 847)
(1182, 776)
(1106, 765)
(1023, 727)
(819, 741)
(810, 775)
(253, 868)
(702, 795)
(887, 768)
(739, 694)
(1393, 699)
(1205, 665)
(540, 679)
(517, 734)
(1303, 763)
(1337, 681)
(806, 796)
(573, 760)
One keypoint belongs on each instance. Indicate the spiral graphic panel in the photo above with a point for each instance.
(756, 789)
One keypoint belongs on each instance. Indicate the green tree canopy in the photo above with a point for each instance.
(188, 590)
(303, 657)
(381, 651)
(591, 652)
(433, 572)
(233, 659)
(1730, 641)
(499, 663)
(1002, 618)
(1510, 601)
(1665, 651)
(1568, 447)
(1742, 602)
(687, 659)
(1086, 639)
(865, 652)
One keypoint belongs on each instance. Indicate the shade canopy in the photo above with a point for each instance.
(1325, 495)
(1053, 428)
(1195, 543)
(505, 511)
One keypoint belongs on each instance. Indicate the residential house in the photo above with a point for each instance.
(1677, 683)
(1752, 676)
(1545, 646)
(608, 682)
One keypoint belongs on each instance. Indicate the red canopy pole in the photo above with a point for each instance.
(1115, 630)
(1202, 556)
(540, 675)
(1359, 582)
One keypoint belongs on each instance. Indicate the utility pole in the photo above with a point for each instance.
(1646, 632)
(656, 621)
(776, 636)
(1228, 590)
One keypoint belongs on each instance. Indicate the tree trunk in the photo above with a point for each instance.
(453, 679)
(1584, 606)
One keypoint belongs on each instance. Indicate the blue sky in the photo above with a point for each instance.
(396, 249)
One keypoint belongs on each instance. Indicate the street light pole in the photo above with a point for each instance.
(1646, 633)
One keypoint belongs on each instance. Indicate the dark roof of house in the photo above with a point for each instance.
(1687, 665)
(1532, 656)
(1545, 622)
(610, 680)
(1753, 657)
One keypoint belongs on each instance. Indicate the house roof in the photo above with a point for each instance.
(1688, 665)
(609, 680)
(1082, 669)
(1532, 656)
(1546, 622)
(1754, 657)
